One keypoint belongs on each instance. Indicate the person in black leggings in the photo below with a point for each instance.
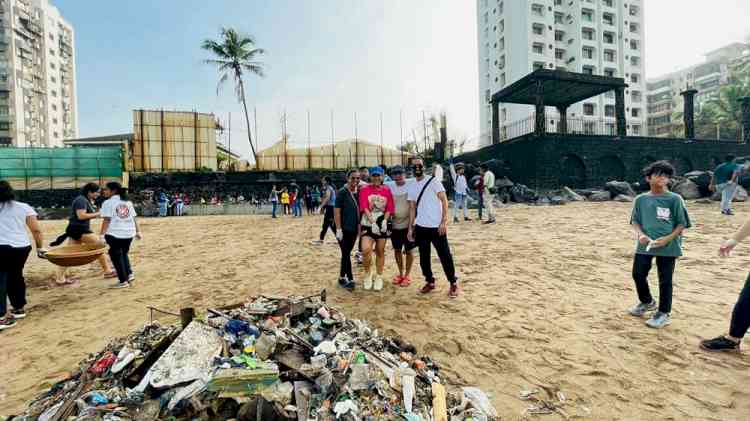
(346, 215)
(740, 323)
(119, 228)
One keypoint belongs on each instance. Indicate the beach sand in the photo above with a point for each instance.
(545, 292)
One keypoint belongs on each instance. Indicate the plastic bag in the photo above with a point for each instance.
(478, 400)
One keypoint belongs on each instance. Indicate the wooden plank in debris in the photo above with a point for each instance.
(439, 403)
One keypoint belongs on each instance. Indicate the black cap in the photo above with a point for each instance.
(397, 169)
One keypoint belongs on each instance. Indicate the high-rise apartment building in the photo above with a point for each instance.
(663, 93)
(600, 37)
(37, 75)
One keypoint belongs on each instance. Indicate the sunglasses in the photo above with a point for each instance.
(375, 175)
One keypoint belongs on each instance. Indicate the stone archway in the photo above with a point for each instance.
(610, 167)
(572, 171)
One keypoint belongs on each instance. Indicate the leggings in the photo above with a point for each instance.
(12, 284)
(741, 313)
(118, 252)
(328, 222)
(347, 245)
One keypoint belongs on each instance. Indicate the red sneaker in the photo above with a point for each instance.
(405, 281)
(453, 291)
(398, 279)
(427, 288)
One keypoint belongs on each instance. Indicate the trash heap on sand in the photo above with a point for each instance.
(268, 359)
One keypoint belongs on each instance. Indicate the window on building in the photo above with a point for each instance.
(634, 11)
(537, 9)
(609, 110)
(635, 112)
(502, 79)
(588, 52)
(609, 38)
(538, 48)
(502, 25)
(635, 96)
(635, 60)
(4, 125)
(608, 19)
(501, 64)
(609, 72)
(4, 110)
(486, 18)
(587, 33)
(588, 127)
(558, 2)
(634, 44)
(559, 35)
(609, 56)
(608, 3)
(53, 79)
(635, 78)
(501, 44)
(587, 15)
(588, 109)
(634, 27)
(559, 18)
(538, 29)
(53, 93)
(55, 135)
(636, 129)
(538, 65)
(54, 107)
(52, 65)
(54, 121)
(500, 7)
(589, 70)
(559, 53)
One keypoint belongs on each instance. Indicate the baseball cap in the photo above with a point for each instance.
(376, 170)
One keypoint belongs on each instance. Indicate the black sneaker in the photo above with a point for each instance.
(467, 219)
(7, 323)
(346, 284)
(18, 313)
(720, 344)
(491, 221)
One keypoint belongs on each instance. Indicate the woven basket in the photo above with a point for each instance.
(76, 255)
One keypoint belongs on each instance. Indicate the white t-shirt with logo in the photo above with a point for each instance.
(121, 216)
(430, 210)
(13, 224)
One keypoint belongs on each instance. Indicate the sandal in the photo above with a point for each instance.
(398, 279)
(405, 281)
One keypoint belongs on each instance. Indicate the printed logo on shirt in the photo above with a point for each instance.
(123, 211)
(663, 213)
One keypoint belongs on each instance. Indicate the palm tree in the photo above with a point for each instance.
(235, 54)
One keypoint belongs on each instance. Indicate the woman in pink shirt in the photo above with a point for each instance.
(377, 206)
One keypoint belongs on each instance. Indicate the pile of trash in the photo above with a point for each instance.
(271, 358)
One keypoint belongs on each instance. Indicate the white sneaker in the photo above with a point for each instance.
(378, 283)
(368, 281)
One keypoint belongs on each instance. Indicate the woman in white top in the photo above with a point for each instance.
(119, 228)
(14, 250)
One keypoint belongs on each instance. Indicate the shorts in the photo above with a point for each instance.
(76, 232)
(400, 240)
(367, 232)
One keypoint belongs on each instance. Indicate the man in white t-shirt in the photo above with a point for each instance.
(428, 227)
(489, 186)
(461, 188)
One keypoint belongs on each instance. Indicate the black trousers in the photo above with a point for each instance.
(741, 313)
(347, 245)
(118, 252)
(328, 222)
(12, 284)
(425, 239)
(665, 268)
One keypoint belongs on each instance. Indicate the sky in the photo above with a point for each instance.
(395, 57)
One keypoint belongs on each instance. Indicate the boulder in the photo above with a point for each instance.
(619, 187)
(600, 196)
(584, 192)
(702, 179)
(522, 194)
(640, 186)
(739, 196)
(572, 196)
(687, 189)
(622, 198)
(557, 200)
(503, 182)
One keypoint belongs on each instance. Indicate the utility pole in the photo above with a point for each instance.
(229, 158)
(401, 132)
(356, 144)
(382, 152)
(333, 144)
(309, 147)
(257, 140)
(424, 127)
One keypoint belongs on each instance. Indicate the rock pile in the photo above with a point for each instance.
(270, 358)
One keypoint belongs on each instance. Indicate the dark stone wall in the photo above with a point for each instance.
(552, 161)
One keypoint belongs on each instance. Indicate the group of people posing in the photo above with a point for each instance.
(412, 213)
(118, 229)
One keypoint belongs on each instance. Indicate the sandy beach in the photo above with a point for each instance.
(544, 296)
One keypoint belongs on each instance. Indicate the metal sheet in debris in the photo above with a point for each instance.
(188, 358)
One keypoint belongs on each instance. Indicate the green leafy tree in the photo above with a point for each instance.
(235, 55)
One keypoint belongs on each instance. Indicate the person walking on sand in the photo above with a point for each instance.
(346, 219)
(724, 181)
(376, 206)
(15, 218)
(461, 191)
(285, 200)
(118, 229)
(428, 226)
(326, 208)
(488, 183)
(403, 249)
(293, 201)
(79, 231)
(274, 201)
(740, 321)
(658, 218)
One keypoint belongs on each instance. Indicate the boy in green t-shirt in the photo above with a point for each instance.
(659, 217)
